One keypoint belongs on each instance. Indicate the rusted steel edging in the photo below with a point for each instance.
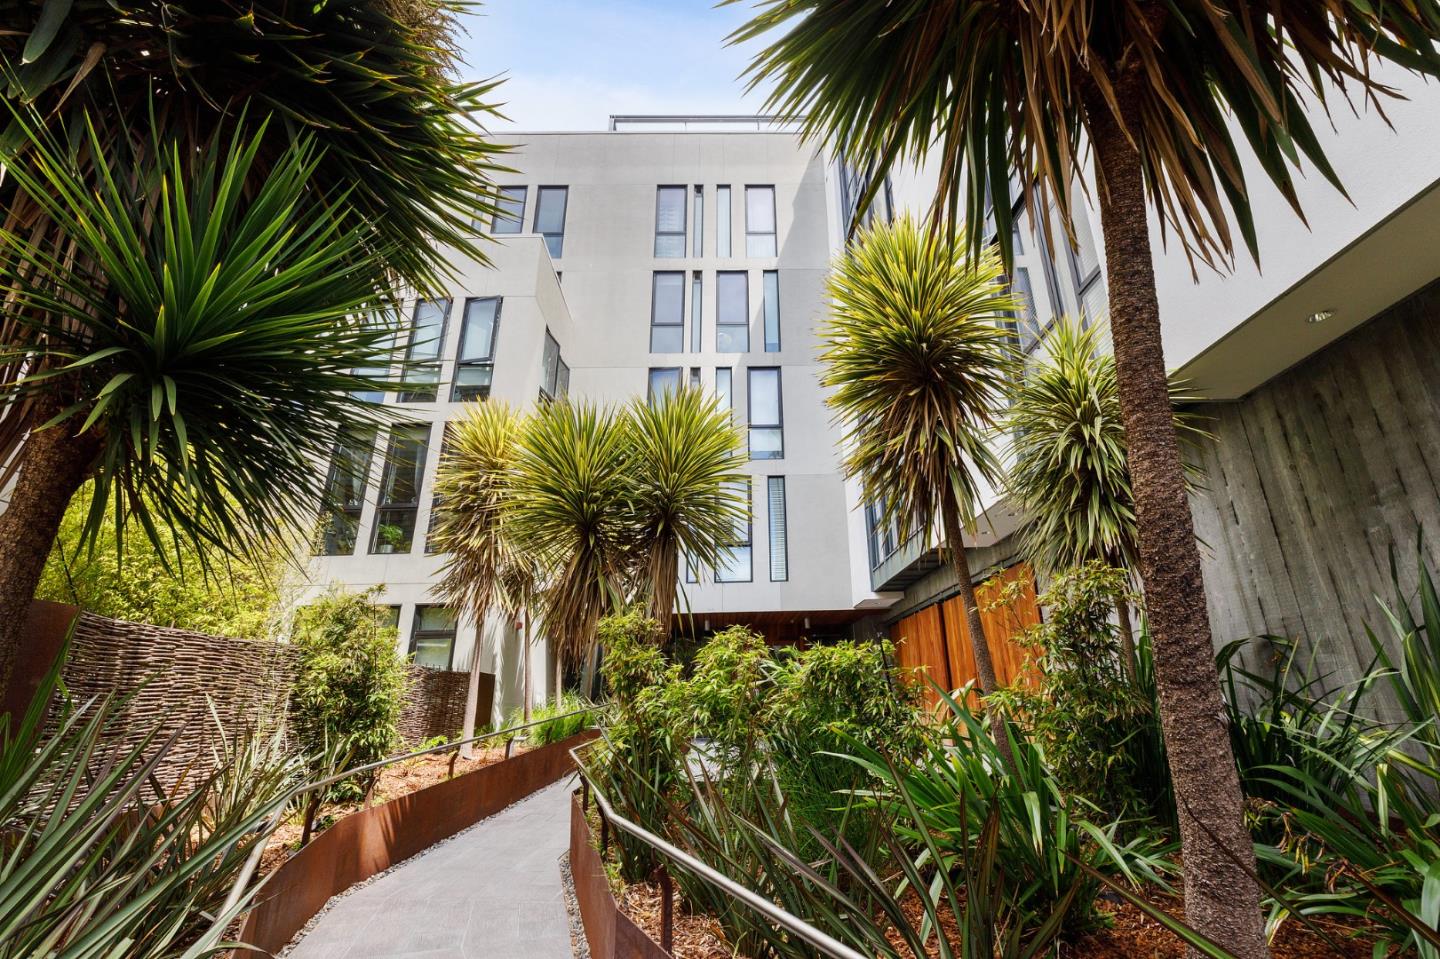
(372, 840)
(609, 932)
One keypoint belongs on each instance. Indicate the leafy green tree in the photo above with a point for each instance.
(239, 597)
(1160, 95)
(917, 357)
(114, 108)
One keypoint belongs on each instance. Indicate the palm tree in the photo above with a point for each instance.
(475, 482)
(1158, 91)
(1069, 471)
(399, 162)
(572, 515)
(686, 458)
(917, 354)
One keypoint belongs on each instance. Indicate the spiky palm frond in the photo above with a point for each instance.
(917, 356)
(1070, 473)
(984, 89)
(476, 483)
(685, 497)
(572, 514)
(209, 341)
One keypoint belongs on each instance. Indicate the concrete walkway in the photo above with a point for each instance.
(491, 893)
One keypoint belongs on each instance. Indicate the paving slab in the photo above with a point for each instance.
(493, 892)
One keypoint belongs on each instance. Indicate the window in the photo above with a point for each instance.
(550, 369)
(767, 436)
(422, 355)
(779, 546)
(432, 640)
(476, 363)
(345, 491)
(390, 618)
(562, 378)
(662, 380)
(853, 185)
(1090, 295)
(550, 203)
(724, 389)
(670, 221)
(509, 210)
(737, 555)
(387, 322)
(722, 221)
(770, 295)
(759, 221)
(732, 312)
(696, 289)
(399, 499)
(667, 312)
(884, 537)
(697, 242)
(437, 503)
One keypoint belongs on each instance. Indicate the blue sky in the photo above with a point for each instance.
(572, 63)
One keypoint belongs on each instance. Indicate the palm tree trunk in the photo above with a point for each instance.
(472, 692)
(1222, 900)
(54, 464)
(525, 652)
(664, 574)
(979, 642)
(1127, 636)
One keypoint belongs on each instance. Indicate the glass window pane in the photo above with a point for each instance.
(767, 443)
(771, 295)
(668, 299)
(422, 383)
(477, 336)
(427, 332)
(760, 221)
(696, 302)
(732, 339)
(734, 565)
(433, 653)
(667, 339)
(723, 388)
(662, 381)
(779, 556)
(562, 380)
(394, 531)
(550, 366)
(431, 618)
(472, 382)
(510, 215)
(404, 466)
(350, 469)
(732, 310)
(764, 397)
(722, 221)
(340, 530)
(697, 244)
(670, 221)
(550, 203)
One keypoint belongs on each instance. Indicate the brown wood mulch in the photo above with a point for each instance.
(696, 936)
(395, 781)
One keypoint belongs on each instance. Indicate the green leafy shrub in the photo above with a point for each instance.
(555, 723)
(350, 688)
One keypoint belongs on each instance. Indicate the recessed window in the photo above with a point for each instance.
(694, 377)
(345, 490)
(562, 377)
(759, 221)
(667, 312)
(770, 293)
(550, 204)
(696, 300)
(422, 355)
(388, 321)
(550, 369)
(432, 639)
(509, 210)
(662, 380)
(779, 543)
(697, 242)
(670, 221)
(737, 556)
(399, 499)
(732, 312)
(884, 536)
(437, 503)
(724, 388)
(722, 221)
(767, 435)
(475, 365)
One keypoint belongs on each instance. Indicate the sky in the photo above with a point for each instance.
(571, 63)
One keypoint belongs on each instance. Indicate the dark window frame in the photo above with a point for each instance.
(773, 232)
(416, 633)
(679, 323)
(724, 217)
(489, 361)
(383, 505)
(558, 236)
(751, 425)
(352, 513)
(697, 311)
(770, 482)
(682, 232)
(744, 312)
(550, 385)
(411, 364)
(766, 307)
(650, 394)
(748, 543)
(507, 191)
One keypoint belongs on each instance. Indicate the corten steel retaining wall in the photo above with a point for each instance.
(372, 840)
(610, 933)
(173, 676)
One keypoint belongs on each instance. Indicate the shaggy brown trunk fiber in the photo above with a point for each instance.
(1127, 636)
(1222, 899)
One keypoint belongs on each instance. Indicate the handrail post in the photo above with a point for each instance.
(509, 745)
(585, 793)
(453, 757)
(667, 910)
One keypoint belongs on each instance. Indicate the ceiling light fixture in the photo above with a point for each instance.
(1319, 316)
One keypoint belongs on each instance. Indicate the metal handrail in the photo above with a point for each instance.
(786, 920)
(252, 862)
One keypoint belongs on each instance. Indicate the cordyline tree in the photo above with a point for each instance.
(177, 388)
(1158, 92)
(1069, 470)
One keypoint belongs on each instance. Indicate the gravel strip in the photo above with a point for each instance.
(315, 919)
(579, 945)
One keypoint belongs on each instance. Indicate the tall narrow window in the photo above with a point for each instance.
(759, 221)
(509, 210)
(697, 218)
(432, 639)
(670, 221)
(475, 365)
(422, 355)
(694, 377)
(667, 312)
(437, 502)
(770, 292)
(737, 556)
(562, 377)
(399, 499)
(345, 491)
(1085, 268)
(696, 310)
(662, 380)
(722, 221)
(779, 545)
(550, 203)
(386, 323)
(767, 434)
(732, 312)
(724, 388)
(550, 368)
